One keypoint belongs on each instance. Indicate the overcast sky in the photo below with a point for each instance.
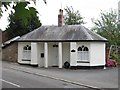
(87, 8)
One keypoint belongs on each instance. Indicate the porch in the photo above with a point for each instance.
(44, 54)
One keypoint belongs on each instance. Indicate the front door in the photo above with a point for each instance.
(55, 55)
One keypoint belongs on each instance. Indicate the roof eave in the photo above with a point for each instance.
(61, 41)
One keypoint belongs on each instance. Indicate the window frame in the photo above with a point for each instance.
(26, 55)
(83, 54)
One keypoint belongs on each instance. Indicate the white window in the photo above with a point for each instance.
(83, 53)
(26, 53)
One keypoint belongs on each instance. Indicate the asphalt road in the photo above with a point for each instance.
(17, 79)
(22, 76)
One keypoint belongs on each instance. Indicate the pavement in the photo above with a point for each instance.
(92, 78)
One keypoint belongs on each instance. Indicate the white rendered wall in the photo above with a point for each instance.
(73, 55)
(50, 54)
(46, 55)
(40, 50)
(66, 52)
(60, 54)
(97, 53)
(20, 52)
(34, 53)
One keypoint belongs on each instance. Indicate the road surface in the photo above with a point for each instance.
(17, 79)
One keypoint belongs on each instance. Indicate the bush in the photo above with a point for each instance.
(116, 58)
(111, 63)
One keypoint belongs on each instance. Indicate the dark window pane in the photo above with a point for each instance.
(42, 55)
(25, 48)
(29, 48)
(27, 45)
(82, 46)
(53, 45)
(85, 49)
(79, 49)
(73, 50)
(56, 46)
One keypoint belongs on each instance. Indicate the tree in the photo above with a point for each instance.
(72, 17)
(22, 20)
(7, 4)
(17, 20)
(108, 27)
(0, 9)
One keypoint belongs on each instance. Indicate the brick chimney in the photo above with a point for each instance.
(60, 18)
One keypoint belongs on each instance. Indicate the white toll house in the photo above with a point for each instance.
(54, 45)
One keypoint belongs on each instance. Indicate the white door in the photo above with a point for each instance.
(55, 56)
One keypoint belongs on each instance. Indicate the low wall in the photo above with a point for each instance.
(10, 52)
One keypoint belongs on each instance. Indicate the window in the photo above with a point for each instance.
(83, 53)
(42, 55)
(73, 50)
(80, 49)
(26, 53)
(27, 47)
(85, 49)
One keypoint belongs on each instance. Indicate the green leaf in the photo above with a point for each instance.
(107, 26)
(72, 17)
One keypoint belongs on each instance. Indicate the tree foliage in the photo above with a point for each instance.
(7, 4)
(22, 20)
(72, 17)
(108, 27)
(0, 9)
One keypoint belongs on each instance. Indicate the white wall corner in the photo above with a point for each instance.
(60, 54)
(97, 54)
(46, 55)
(34, 53)
(20, 50)
(73, 55)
